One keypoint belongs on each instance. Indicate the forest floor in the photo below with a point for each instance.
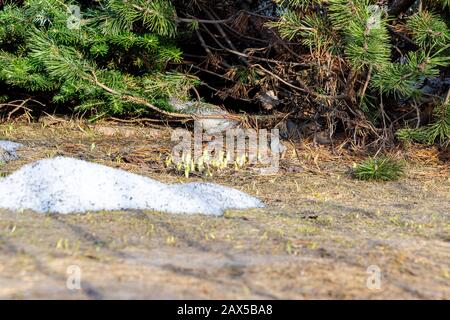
(320, 232)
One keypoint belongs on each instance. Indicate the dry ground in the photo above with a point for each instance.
(316, 238)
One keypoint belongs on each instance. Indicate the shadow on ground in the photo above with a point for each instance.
(317, 237)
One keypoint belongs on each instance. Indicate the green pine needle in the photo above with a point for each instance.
(428, 30)
(436, 132)
(381, 169)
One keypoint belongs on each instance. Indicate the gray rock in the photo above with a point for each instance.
(214, 120)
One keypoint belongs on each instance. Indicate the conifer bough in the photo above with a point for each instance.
(369, 68)
(350, 64)
(106, 57)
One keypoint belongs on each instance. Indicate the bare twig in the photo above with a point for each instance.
(304, 87)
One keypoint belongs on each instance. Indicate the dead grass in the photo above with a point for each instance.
(319, 233)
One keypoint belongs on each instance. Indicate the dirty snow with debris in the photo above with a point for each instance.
(67, 185)
(8, 150)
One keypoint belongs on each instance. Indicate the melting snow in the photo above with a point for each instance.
(67, 185)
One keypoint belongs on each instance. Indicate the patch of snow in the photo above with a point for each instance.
(67, 185)
(8, 150)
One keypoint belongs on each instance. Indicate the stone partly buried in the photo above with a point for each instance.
(215, 120)
(67, 185)
(212, 118)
